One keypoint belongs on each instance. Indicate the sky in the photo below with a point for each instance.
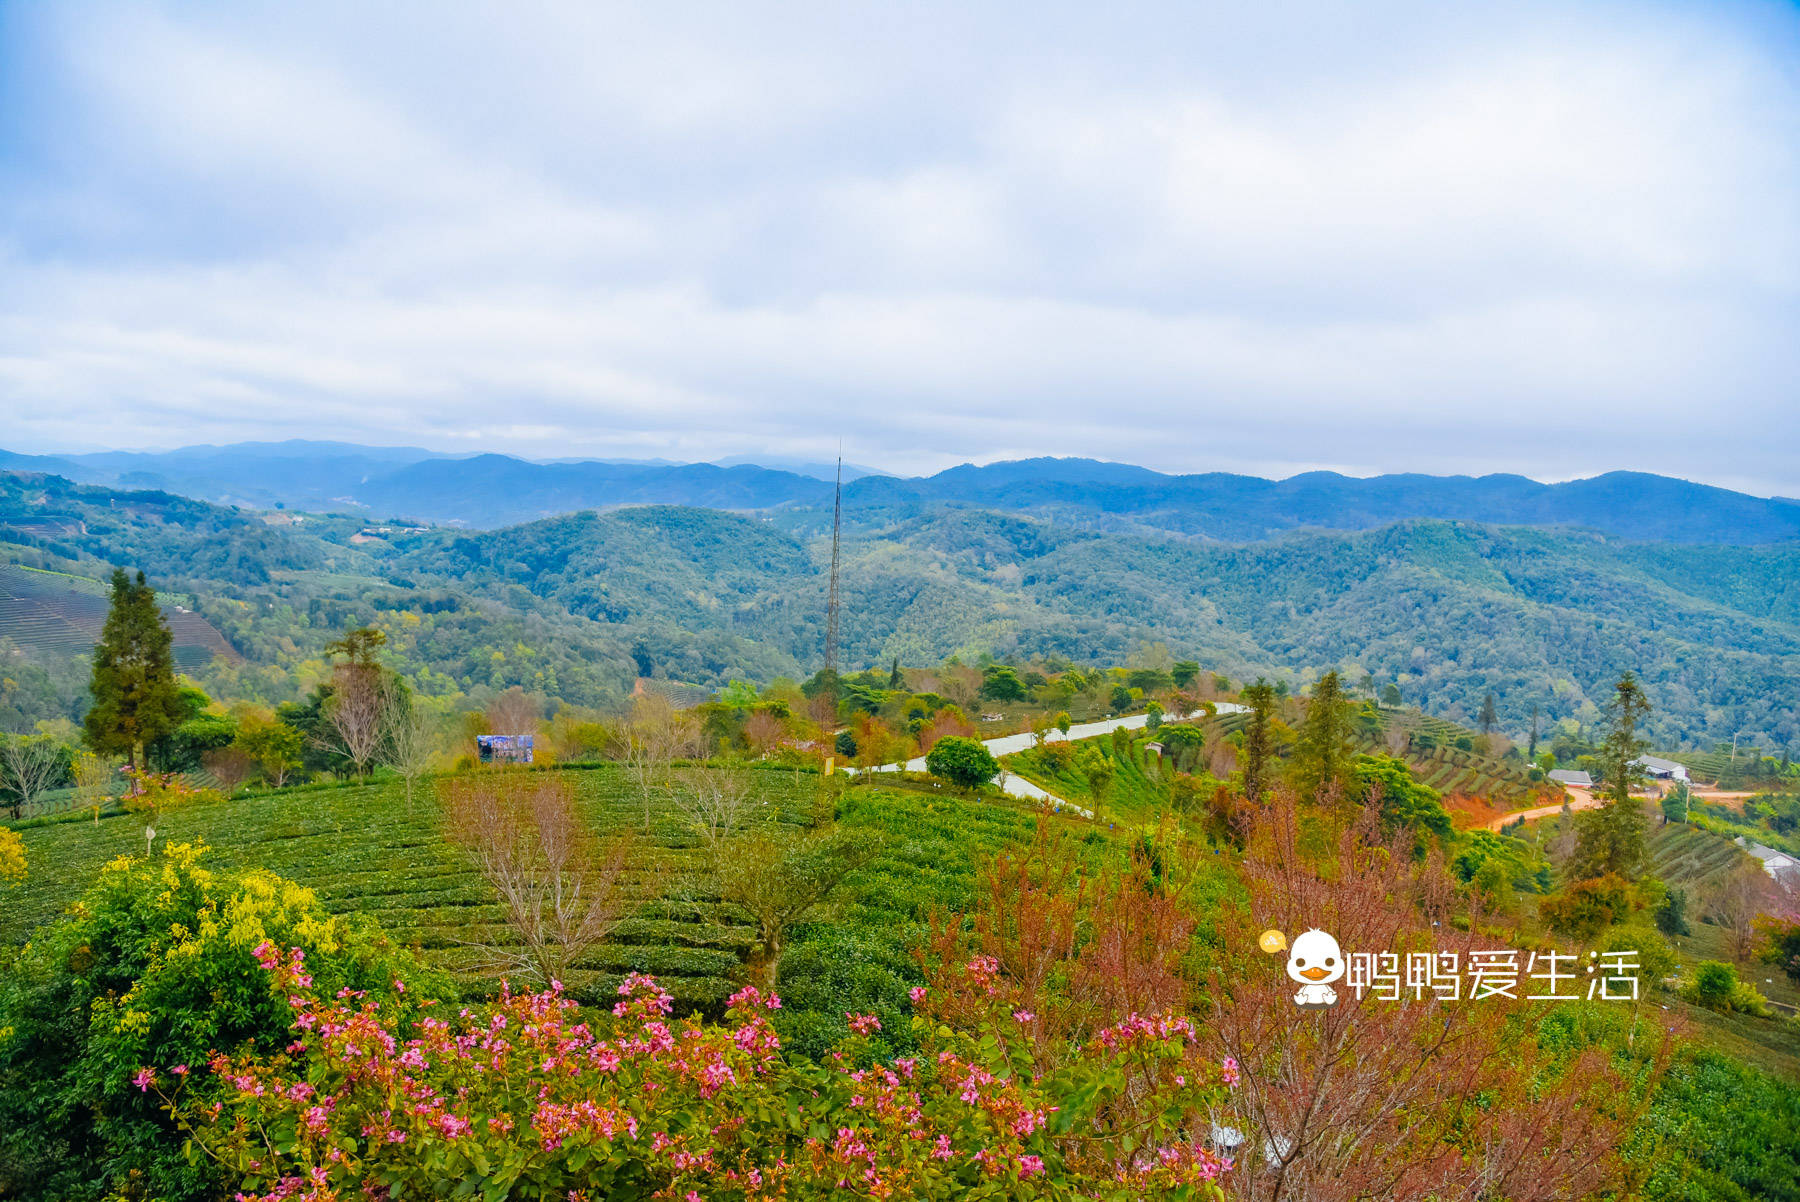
(1554, 239)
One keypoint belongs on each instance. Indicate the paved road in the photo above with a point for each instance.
(1017, 786)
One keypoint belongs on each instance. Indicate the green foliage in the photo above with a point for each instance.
(1260, 697)
(1675, 803)
(845, 744)
(1404, 802)
(133, 685)
(1153, 716)
(1723, 1131)
(1322, 756)
(1671, 915)
(1000, 683)
(1587, 907)
(1717, 987)
(963, 762)
(157, 966)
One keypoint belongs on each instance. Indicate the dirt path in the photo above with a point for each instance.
(1579, 799)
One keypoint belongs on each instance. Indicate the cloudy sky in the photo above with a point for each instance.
(1550, 239)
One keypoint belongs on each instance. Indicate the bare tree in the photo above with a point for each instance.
(1372, 1097)
(30, 765)
(716, 804)
(763, 731)
(95, 779)
(649, 741)
(514, 712)
(415, 737)
(356, 713)
(1737, 901)
(563, 891)
(230, 766)
(776, 876)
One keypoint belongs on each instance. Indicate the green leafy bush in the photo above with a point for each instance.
(963, 762)
(156, 965)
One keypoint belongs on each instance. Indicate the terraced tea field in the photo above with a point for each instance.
(362, 850)
(56, 612)
(1685, 855)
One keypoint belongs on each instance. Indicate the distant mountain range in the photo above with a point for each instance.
(579, 606)
(487, 491)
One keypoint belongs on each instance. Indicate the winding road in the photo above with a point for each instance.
(1017, 786)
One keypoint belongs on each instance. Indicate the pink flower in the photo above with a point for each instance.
(180, 1070)
(863, 1024)
(1030, 1166)
(941, 1150)
(917, 993)
(145, 1077)
(1230, 1069)
(1023, 1016)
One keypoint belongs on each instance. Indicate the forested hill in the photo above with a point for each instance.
(489, 490)
(579, 605)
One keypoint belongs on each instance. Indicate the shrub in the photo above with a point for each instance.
(1588, 907)
(632, 1104)
(1717, 986)
(156, 965)
(963, 762)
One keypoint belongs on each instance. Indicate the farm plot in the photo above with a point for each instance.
(1686, 855)
(361, 849)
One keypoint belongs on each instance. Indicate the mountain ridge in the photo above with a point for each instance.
(490, 490)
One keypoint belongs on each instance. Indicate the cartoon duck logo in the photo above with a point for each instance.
(1315, 960)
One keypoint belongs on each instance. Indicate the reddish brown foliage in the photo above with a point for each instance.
(1408, 1099)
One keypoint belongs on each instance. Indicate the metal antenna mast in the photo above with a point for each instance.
(831, 604)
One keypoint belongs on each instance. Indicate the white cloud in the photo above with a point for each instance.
(1553, 241)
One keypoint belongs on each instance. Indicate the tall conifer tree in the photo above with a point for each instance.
(135, 698)
(1260, 697)
(1324, 750)
(1611, 838)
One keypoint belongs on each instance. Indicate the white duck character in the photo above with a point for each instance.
(1315, 960)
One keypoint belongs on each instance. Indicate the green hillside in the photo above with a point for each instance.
(578, 606)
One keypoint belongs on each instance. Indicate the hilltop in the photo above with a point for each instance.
(487, 490)
(580, 605)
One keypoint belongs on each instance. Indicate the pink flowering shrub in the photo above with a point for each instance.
(529, 1098)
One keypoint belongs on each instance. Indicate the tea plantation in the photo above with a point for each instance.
(362, 849)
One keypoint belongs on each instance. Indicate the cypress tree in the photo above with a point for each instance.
(1611, 838)
(1260, 697)
(1324, 751)
(135, 698)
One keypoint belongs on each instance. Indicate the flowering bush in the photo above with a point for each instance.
(155, 793)
(155, 965)
(530, 1099)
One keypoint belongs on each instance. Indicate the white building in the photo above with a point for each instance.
(1661, 769)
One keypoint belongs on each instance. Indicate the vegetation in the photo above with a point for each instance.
(157, 966)
(577, 607)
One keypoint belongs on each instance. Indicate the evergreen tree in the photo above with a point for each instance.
(1531, 750)
(135, 698)
(1611, 838)
(1489, 718)
(895, 679)
(1260, 697)
(1322, 758)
